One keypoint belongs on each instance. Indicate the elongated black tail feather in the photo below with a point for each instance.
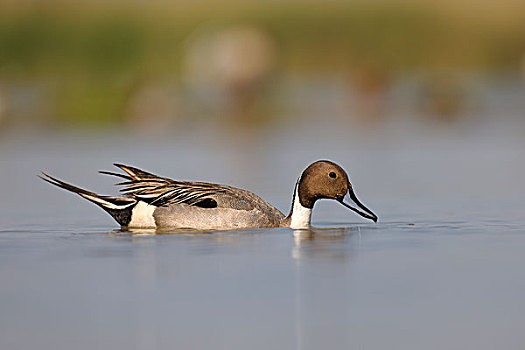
(118, 207)
(135, 173)
(115, 174)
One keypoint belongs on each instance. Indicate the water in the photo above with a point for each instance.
(443, 267)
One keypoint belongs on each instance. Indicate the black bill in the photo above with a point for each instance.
(366, 213)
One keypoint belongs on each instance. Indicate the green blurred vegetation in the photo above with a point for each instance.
(92, 54)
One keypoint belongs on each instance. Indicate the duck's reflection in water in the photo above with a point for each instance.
(199, 241)
(312, 253)
(323, 243)
(332, 242)
(134, 232)
(318, 250)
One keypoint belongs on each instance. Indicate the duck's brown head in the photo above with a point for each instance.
(325, 179)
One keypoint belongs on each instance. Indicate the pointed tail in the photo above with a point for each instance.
(134, 173)
(118, 207)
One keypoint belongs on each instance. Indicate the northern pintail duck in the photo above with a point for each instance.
(150, 201)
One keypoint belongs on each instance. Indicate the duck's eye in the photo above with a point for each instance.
(332, 175)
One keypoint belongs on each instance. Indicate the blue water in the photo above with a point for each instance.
(443, 267)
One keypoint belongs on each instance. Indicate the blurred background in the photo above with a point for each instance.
(430, 94)
(248, 66)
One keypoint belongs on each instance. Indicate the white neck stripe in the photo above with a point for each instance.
(300, 215)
